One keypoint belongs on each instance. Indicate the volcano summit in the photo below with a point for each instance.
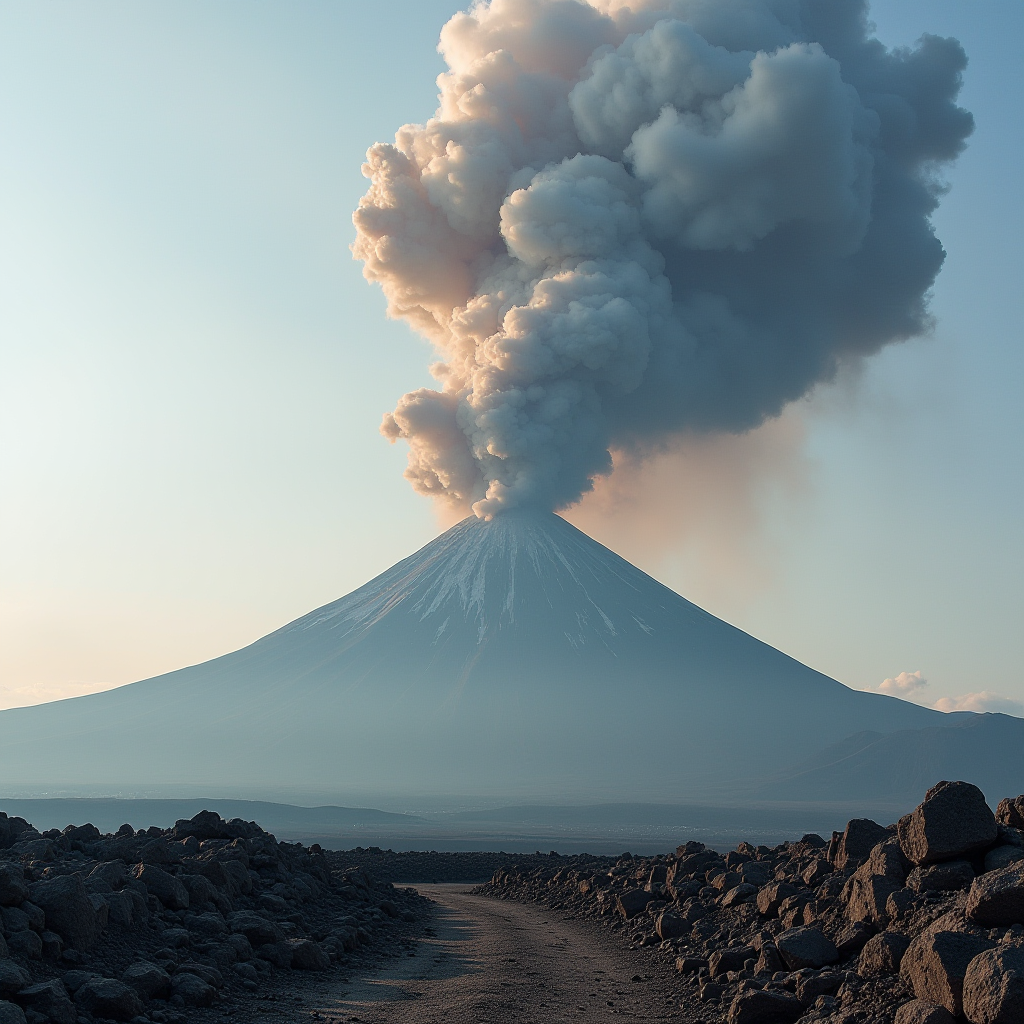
(513, 658)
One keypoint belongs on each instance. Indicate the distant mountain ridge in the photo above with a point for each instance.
(891, 768)
(515, 658)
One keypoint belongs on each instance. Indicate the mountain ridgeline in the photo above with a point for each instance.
(510, 659)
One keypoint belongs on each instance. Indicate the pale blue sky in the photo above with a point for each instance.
(193, 370)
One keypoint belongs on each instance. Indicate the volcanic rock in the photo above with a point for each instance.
(148, 980)
(765, 1007)
(49, 998)
(164, 886)
(69, 910)
(951, 822)
(806, 947)
(632, 902)
(739, 894)
(997, 897)
(724, 960)
(25, 943)
(994, 987)
(12, 978)
(307, 955)
(882, 954)
(1010, 811)
(1000, 856)
(193, 990)
(13, 889)
(935, 963)
(860, 837)
(920, 1011)
(771, 897)
(670, 925)
(105, 997)
(944, 877)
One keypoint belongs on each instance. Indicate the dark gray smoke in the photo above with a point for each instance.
(625, 223)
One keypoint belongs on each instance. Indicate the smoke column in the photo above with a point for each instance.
(626, 223)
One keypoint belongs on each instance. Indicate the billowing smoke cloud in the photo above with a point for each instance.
(629, 223)
(904, 684)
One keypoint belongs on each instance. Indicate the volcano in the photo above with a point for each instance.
(510, 658)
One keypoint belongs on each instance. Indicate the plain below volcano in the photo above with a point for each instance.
(516, 659)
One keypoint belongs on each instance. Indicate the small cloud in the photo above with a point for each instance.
(985, 700)
(903, 685)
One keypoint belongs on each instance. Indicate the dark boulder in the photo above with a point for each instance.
(11, 1013)
(853, 938)
(632, 902)
(105, 997)
(994, 987)
(742, 893)
(946, 876)
(670, 925)
(882, 954)
(13, 889)
(308, 956)
(952, 822)
(163, 885)
(861, 836)
(258, 930)
(935, 963)
(771, 897)
(1000, 856)
(50, 999)
(806, 947)
(69, 910)
(724, 960)
(126, 909)
(920, 1011)
(210, 825)
(209, 974)
(12, 978)
(997, 898)
(148, 980)
(113, 872)
(159, 851)
(765, 1007)
(690, 964)
(25, 943)
(809, 987)
(193, 990)
(1010, 812)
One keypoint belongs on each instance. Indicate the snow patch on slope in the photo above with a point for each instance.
(495, 575)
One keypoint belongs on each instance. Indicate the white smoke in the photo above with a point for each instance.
(629, 223)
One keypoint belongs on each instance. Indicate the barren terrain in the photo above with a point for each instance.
(494, 961)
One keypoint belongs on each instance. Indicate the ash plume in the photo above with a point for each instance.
(628, 223)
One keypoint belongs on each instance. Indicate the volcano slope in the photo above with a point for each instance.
(514, 657)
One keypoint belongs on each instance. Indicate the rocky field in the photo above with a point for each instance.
(919, 922)
(412, 867)
(204, 920)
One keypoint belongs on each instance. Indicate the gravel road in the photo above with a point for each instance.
(493, 962)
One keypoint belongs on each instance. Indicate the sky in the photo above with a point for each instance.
(193, 370)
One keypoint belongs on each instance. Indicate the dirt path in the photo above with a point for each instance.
(492, 962)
